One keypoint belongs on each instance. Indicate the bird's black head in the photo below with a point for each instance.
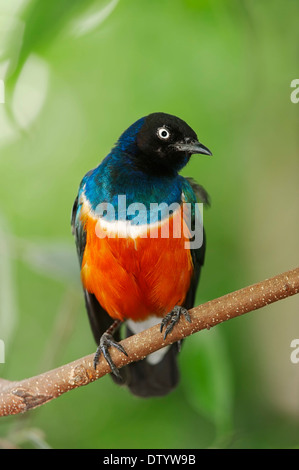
(160, 144)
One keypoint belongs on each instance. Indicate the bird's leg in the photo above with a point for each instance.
(106, 342)
(172, 318)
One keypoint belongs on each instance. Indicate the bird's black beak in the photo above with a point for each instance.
(191, 147)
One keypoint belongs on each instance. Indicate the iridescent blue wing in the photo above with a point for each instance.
(194, 193)
(98, 317)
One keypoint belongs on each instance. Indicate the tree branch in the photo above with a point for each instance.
(20, 396)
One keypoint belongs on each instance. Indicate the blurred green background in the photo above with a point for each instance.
(76, 74)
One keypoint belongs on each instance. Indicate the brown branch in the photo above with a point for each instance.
(20, 396)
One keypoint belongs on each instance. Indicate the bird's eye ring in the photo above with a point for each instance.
(163, 133)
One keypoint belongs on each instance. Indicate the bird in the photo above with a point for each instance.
(133, 275)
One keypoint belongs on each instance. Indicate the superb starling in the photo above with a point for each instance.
(133, 270)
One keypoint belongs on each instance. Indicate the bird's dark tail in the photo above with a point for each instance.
(145, 379)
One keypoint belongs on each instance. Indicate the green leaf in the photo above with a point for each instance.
(44, 21)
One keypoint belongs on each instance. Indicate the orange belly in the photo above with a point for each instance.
(134, 278)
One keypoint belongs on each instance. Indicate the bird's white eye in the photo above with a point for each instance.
(163, 133)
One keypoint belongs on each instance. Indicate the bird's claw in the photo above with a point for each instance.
(106, 342)
(172, 318)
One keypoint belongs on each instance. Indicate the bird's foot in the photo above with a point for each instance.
(106, 342)
(172, 318)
